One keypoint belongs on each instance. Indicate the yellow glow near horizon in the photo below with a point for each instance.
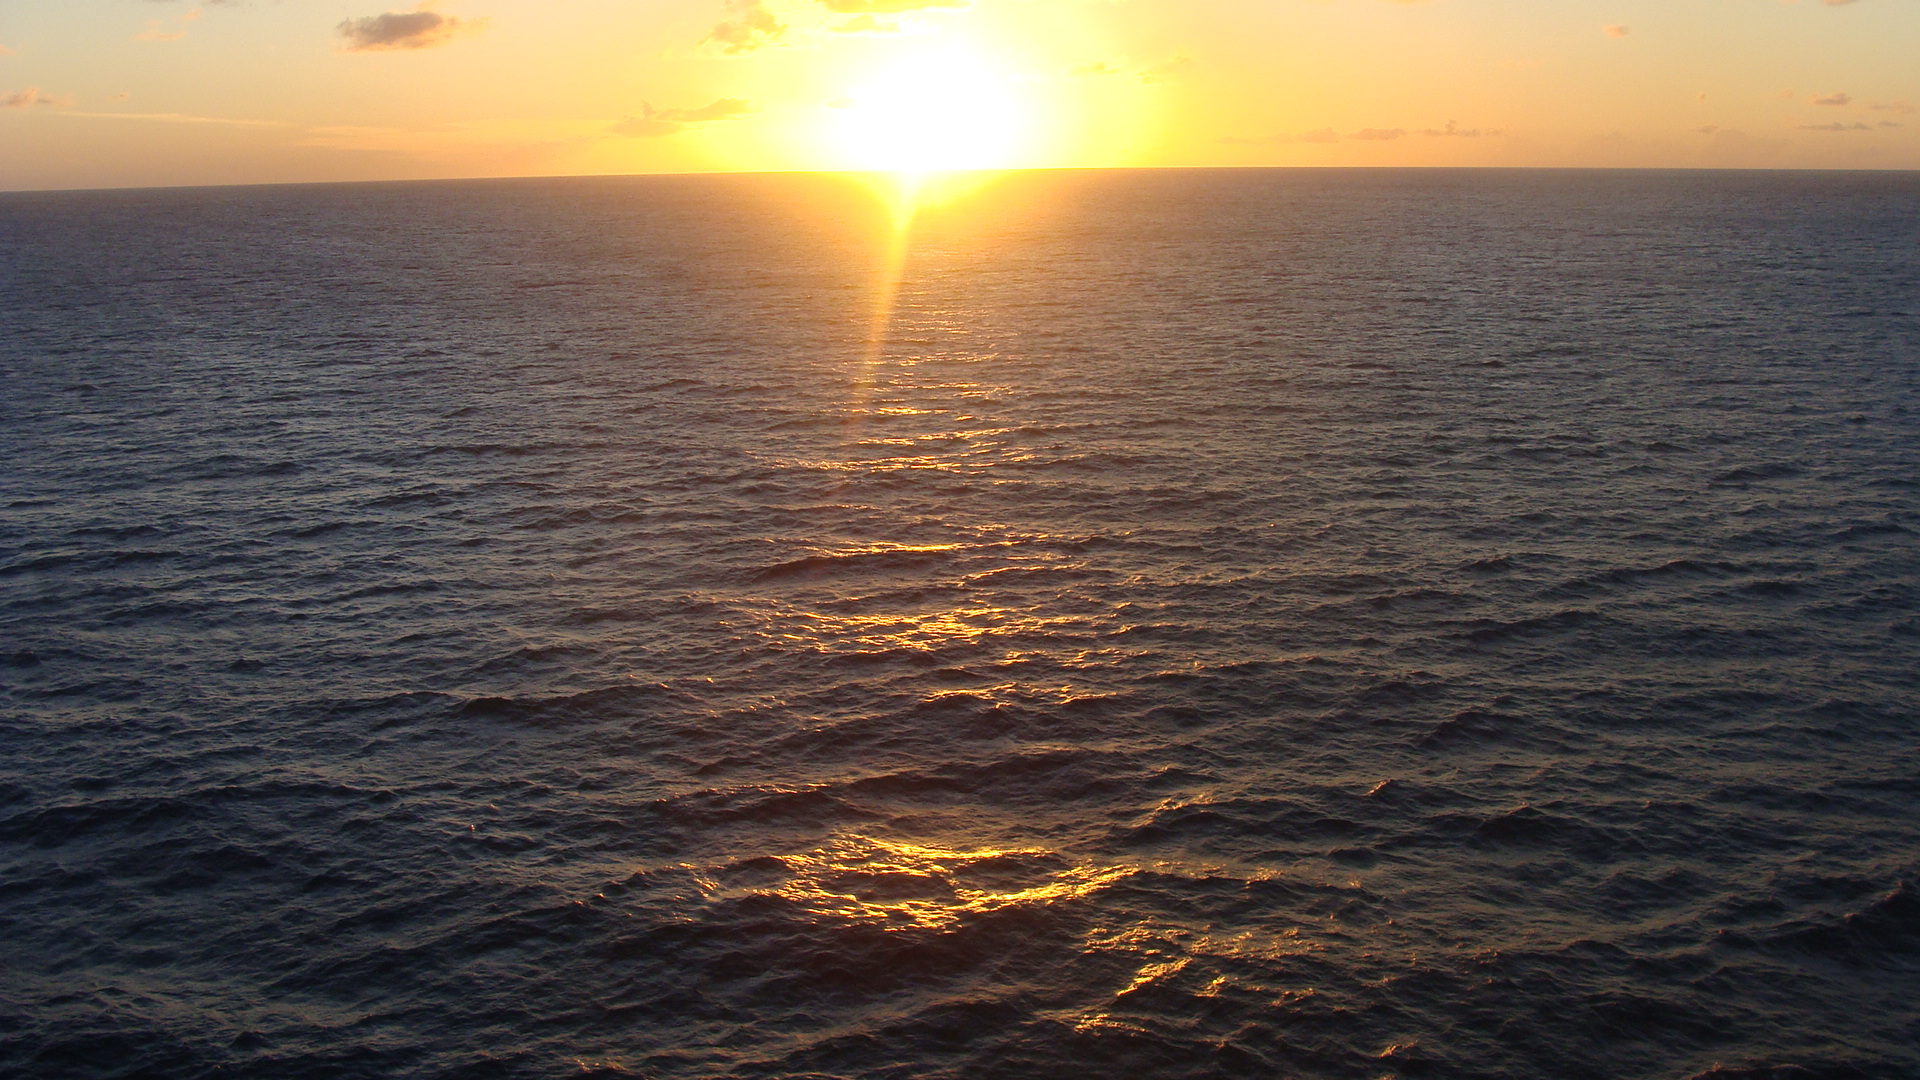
(269, 93)
(936, 110)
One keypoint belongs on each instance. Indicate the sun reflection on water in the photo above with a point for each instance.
(904, 886)
(1194, 960)
(903, 195)
(908, 885)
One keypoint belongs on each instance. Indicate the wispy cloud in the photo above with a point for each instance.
(1833, 99)
(1455, 131)
(529, 142)
(1617, 30)
(1166, 70)
(749, 25)
(154, 31)
(1329, 135)
(655, 123)
(28, 98)
(1836, 127)
(421, 28)
(175, 118)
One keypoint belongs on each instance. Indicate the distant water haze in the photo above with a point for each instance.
(1168, 624)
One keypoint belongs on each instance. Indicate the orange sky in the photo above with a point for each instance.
(151, 92)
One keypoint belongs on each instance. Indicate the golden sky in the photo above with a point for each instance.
(100, 93)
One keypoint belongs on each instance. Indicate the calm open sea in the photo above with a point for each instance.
(1305, 624)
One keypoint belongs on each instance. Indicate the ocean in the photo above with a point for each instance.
(1161, 624)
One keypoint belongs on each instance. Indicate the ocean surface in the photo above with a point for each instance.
(1269, 624)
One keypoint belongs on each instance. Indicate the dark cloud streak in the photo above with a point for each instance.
(399, 30)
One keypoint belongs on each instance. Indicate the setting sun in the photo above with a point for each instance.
(933, 111)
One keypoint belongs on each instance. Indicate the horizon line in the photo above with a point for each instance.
(709, 174)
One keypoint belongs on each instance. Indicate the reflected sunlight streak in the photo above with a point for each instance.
(903, 194)
(911, 886)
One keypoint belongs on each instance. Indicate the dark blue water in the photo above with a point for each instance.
(1240, 624)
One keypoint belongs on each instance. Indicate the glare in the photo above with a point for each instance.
(933, 111)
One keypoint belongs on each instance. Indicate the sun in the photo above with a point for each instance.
(933, 111)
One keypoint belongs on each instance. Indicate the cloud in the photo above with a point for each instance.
(750, 25)
(1833, 99)
(1454, 131)
(31, 96)
(1617, 30)
(655, 123)
(4, 51)
(1329, 135)
(888, 7)
(421, 28)
(175, 118)
(1097, 68)
(153, 32)
(1900, 108)
(525, 144)
(1836, 127)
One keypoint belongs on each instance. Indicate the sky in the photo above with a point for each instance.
(117, 93)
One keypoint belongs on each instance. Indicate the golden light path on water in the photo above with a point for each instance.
(903, 195)
(945, 880)
(899, 194)
(911, 888)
